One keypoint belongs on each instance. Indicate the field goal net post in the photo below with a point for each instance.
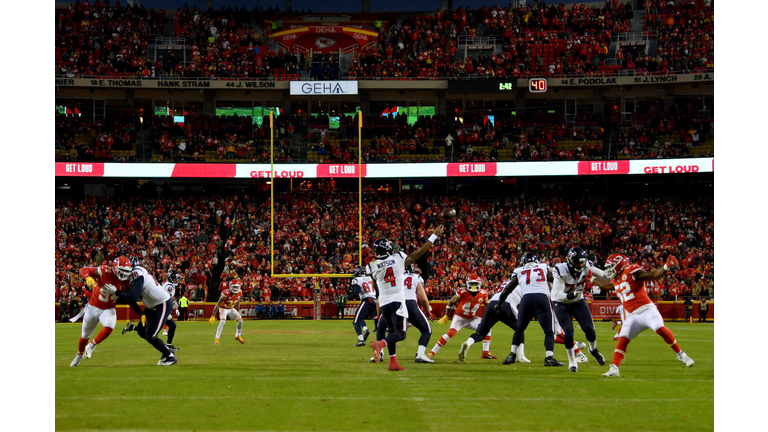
(317, 299)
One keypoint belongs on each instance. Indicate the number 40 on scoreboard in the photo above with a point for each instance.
(537, 85)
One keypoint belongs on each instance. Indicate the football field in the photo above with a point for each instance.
(298, 375)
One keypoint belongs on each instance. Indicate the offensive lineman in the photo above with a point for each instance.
(533, 278)
(157, 305)
(388, 272)
(415, 296)
(570, 279)
(173, 278)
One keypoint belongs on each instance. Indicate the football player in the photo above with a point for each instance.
(388, 273)
(158, 304)
(101, 305)
(639, 311)
(173, 278)
(419, 317)
(506, 314)
(466, 302)
(362, 289)
(534, 279)
(228, 306)
(570, 279)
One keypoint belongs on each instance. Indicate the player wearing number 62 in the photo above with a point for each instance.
(641, 313)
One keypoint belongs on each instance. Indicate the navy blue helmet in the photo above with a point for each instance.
(383, 248)
(529, 258)
(576, 260)
(173, 276)
(358, 271)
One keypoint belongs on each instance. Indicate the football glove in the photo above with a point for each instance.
(108, 289)
(212, 320)
(572, 295)
(90, 282)
(443, 319)
(671, 261)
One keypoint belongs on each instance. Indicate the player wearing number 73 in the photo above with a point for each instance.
(534, 279)
(641, 313)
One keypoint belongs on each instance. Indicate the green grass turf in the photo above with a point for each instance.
(294, 375)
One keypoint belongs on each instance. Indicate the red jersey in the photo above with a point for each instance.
(230, 299)
(469, 304)
(103, 275)
(631, 292)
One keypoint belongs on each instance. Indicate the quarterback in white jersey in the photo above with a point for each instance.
(568, 302)
(388, 273)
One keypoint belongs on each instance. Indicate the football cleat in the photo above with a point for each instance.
(613, 371)
(394, 365)
(423, 359)
(551, 361)
(573, 369)
(381, 358)
(76, 361)
(365, 335)
(216, 341)
(581, 345)
(510, 359)
(683, 357)
(463, 352)
(598, 357)
(171, 347)
(488, 356)
(581, 358)
(522, 359)
(239, 339)
(378, 347)
(128, 327)
(167, 361)
(360, 343)
(89, 349)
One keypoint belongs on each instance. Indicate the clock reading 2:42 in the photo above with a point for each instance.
(506, 86)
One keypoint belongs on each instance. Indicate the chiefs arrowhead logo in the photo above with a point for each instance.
(323, 42)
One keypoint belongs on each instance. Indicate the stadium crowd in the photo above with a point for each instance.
(214, 237)
(100, 39)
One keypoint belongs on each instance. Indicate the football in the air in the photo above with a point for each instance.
(449, 213)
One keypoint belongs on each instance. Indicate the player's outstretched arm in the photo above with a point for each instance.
(657, 273)
(415, 255)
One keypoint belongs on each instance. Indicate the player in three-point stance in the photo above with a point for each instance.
(639, 311)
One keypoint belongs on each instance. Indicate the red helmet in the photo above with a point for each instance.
(474, 283)
(122, 267)
(234, 286)
(615, 264)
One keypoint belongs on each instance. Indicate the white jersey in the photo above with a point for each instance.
(366, 287)
(532, 279)
(389, 274)
(411, 281)
(565, 282)
(152, 293)
(513, 298)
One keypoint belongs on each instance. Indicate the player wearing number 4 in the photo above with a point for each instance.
(639, 311)
(101, 306)
(362, 289)
(388, 273)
